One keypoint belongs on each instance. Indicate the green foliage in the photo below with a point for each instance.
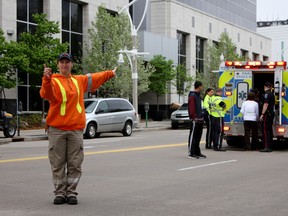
(31, 51)
(162, 76)
(183, 80)
(107, 36)
(11, 57)
(213, 52)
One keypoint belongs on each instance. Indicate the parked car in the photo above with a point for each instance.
(180, 117)
(109, 115)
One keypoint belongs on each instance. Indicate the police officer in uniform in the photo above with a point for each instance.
(207, 118)
(267, 116)
(217, 119)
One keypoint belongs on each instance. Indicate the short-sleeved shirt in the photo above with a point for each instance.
(270, 99)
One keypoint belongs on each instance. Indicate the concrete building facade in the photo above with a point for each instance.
(178, 29)
(277, 31)
(197, 23)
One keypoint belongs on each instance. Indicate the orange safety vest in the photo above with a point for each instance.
(64, 96)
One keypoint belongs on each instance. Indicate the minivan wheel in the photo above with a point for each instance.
(127, 130)
(90, 131)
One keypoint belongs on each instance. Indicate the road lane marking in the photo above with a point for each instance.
(100, 152)
(206, 165)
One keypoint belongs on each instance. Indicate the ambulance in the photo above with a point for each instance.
(237, 79)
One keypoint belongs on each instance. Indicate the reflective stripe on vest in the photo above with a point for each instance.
(64, 96)
(79, 108)
(215, 107)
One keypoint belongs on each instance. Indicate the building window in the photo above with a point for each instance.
(200, 55)
(181, 48)
(193, 22)
(250, 41)
(210, 27)
(238, 37)
(245, 54)
(25, 10)
(72, 27)
(28, 92)
(261, 45)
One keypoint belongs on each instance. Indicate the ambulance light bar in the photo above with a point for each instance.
(255, 64)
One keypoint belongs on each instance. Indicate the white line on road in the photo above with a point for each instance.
(206, 165)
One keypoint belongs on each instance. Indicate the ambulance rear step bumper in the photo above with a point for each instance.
(237, 130)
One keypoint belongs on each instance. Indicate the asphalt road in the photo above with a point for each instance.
(147, 174)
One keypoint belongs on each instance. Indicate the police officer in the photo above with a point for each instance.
(267, 116)
(207, 118)
(217, 110)
(196, 116)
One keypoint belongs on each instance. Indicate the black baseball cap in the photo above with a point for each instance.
(268, 84)
(65, 56)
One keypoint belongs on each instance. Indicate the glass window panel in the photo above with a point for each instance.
(76, 17)
(76, 45)
(22, 10)
(32, 28)
(65, 15)
(65, 37)
(21, 27)
(35, 6)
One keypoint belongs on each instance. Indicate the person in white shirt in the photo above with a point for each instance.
(250, 112)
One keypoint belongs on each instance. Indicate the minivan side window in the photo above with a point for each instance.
(125, 106)
(102, 108)
(119, 105)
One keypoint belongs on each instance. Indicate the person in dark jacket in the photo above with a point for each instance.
(196, 115)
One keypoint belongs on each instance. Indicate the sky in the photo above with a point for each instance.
(268, 10)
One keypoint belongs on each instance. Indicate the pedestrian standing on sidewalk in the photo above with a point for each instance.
(65, 123)
(196, 115)
(250, 112)
(207, 118)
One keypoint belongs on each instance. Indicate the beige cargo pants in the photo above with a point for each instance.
(66, 156)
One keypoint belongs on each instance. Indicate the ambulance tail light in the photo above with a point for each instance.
(281, 130)
(229, 93)
(228, 89)
(226, 128)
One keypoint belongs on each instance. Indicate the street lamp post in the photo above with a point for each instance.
(132, 54)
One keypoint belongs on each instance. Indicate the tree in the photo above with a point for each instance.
(213, 52)
(11, 57)
(41, 47)
(183, 80)
(161, 77)
(107, 35)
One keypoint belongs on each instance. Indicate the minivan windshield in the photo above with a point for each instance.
(90, 106)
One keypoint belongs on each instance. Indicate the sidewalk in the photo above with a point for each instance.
(36, 135)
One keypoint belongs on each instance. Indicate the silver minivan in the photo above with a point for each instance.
(109, 115)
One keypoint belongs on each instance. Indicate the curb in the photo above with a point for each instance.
(45, 137)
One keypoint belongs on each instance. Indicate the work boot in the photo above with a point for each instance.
(59, 200)
(72, 200)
